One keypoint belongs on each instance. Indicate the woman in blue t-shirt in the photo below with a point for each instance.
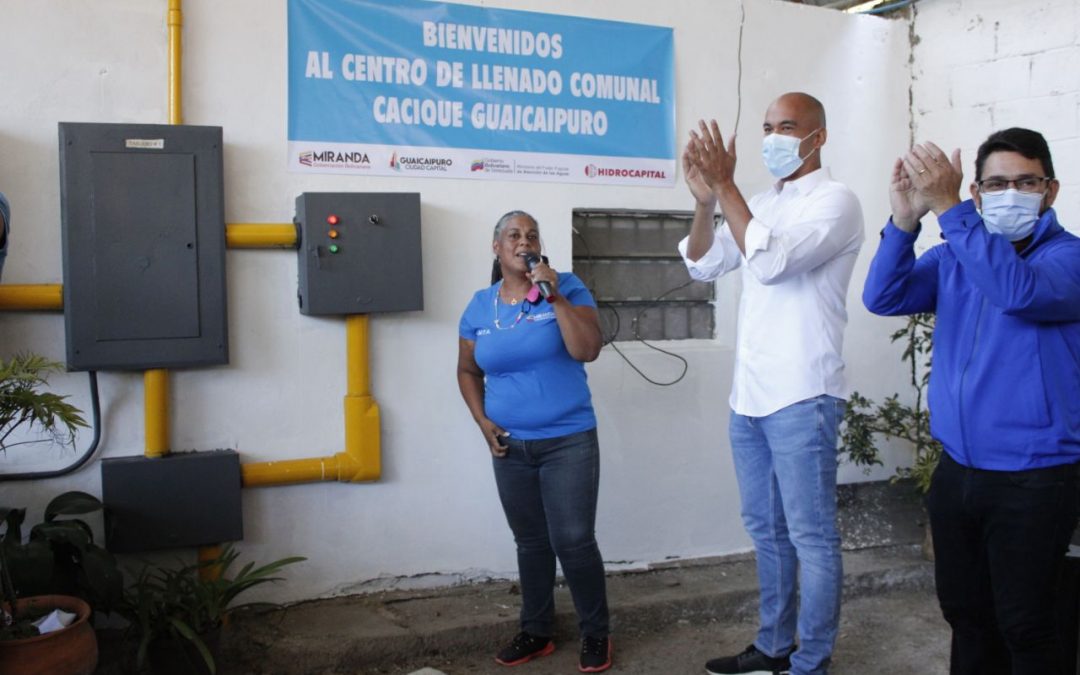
(520, 372)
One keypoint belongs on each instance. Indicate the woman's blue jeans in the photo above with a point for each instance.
(548, 489)
(786, 467)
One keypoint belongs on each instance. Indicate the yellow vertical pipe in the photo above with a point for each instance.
(361, 460)
(156, 411)
(176, 24)
(157, 443)
(208, 556)
(156, 381)
(356, 355)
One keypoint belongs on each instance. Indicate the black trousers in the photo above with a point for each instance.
(1000, 539)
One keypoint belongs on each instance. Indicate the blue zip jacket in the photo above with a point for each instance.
(1005, 382)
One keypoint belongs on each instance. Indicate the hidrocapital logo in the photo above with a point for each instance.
(593, 171)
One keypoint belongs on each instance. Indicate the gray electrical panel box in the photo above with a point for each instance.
(181, 499)
(143, 227)
(359, 253)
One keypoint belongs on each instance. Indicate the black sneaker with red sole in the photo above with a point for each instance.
(595, 654)
(524, 648)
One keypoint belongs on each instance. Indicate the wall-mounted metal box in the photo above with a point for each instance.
(182, 499)
(143, 227)
(359, 253)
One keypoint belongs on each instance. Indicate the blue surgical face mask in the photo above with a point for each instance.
(781, 153)
(1011, 213)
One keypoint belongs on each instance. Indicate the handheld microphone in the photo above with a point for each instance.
(532, 260)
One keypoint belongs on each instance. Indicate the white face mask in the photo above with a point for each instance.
(1011, 213)
(781, 153)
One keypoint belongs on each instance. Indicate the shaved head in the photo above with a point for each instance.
(800, 116)
(808, 107)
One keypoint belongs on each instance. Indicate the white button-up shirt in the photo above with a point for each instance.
(801, 246)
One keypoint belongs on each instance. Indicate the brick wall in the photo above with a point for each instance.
(983, 65)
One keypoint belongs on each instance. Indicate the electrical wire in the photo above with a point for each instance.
(605, 340)
(95, 406)
(890, 7)
(738, 80)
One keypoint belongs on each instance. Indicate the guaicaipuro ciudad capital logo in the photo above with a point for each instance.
(353, 159)
(417, 163)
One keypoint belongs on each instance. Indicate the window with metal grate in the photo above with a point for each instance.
(629, 261)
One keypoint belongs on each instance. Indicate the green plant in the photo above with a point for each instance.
(865, 419)
(22, 401)
(183, 604)
(59, 557)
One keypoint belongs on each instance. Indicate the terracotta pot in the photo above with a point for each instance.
(70, 651)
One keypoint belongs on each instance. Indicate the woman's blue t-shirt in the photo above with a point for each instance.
(533, 388)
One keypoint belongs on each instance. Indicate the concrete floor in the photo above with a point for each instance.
(667, 620)
(899, 632)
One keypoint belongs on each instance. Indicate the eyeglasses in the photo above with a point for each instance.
(1027, 184)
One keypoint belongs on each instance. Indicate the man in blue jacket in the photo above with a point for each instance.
(1004, 388)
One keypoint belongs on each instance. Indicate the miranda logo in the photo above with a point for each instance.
(333, 157)
(591, 171)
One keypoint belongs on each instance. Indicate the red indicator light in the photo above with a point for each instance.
(332, 219)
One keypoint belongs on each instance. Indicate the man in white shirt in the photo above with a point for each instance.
(796, 244)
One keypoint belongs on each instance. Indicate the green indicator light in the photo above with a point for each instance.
(334, 248)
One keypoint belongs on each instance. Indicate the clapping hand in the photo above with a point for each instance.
(713, 164)
(935, 177)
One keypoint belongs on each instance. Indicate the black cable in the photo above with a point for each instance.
(605, 341)
(95, 406)
(686, 365)
(738, 81)
(882, 9)
(637, 336)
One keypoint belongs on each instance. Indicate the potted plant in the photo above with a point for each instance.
(26, 406)
(864, 419)
(59, 560)
(177, 613)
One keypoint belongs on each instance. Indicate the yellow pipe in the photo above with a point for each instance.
(156, 381)
(361, 460)
(260, 235)
(209, 554)
(32, 296)
(356, 355)
(156, 411)
(176, 24)
(260, 474)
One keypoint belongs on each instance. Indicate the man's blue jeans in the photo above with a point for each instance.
(786, 467)
(548, 489)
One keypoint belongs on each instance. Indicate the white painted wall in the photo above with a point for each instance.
(984, 65)
(667, 484)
